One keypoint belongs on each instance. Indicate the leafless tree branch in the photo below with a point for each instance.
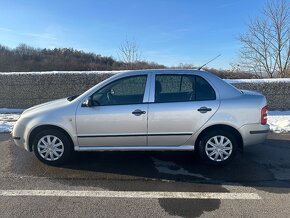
(266, 45)
(129, 53)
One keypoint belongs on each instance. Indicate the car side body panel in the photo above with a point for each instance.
(176, 124)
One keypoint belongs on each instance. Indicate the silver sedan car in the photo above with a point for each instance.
(147, 110)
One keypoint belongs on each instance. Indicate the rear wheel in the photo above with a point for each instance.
(52, 147)
(218, 147)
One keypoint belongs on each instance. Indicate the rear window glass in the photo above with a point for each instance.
(182, 88)
(203, 90)
(174, 88)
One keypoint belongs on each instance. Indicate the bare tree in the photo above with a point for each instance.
(266, 45)
(129, 53)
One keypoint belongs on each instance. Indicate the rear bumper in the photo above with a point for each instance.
(254, 133)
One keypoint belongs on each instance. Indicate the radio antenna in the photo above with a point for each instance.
(209, 62)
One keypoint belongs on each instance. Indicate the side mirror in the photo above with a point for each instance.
(88, 102)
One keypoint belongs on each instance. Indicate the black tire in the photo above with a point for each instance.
(217, 133)
(66, 146)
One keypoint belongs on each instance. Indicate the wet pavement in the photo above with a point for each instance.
(262, 169)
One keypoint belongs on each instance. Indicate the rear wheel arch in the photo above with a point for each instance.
(225, 128)
(38, 129)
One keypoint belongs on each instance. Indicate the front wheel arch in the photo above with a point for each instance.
(38, 129)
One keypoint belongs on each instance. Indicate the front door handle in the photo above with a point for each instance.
(204, 110)
(138, 112)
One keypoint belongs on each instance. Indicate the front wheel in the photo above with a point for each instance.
(218, 147)
(52, 147)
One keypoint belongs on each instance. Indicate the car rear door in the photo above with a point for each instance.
(118, 116)
(182, 105)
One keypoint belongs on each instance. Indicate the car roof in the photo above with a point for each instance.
(158, 71)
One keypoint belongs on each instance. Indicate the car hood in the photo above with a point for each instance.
(46, 106)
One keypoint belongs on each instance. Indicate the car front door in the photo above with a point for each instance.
(118, 116)
(182, 105)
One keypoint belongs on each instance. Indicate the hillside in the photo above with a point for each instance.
(25, 58)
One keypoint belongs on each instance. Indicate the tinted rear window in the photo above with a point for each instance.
(203, 90)
(182, 88)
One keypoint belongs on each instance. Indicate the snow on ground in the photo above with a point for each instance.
(7, 121)
(279, 121)
(61, 72)
(10, 111)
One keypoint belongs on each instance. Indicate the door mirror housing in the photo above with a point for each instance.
(88, 102)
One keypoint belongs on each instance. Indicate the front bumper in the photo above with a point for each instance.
(254, 133)
(18, 135)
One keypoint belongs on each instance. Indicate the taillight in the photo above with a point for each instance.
(264, 115)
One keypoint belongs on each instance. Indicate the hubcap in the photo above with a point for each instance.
(219, 148)
(50, 147)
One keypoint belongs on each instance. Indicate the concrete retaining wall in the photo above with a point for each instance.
(22, 90)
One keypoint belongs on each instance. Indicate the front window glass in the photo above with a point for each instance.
(129, 90)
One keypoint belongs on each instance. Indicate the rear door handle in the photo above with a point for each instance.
(204, 110)
(138, 112)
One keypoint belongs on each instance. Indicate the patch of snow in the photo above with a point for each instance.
(7, 121)
(11, 111)
(6, 126)
(279, 121)
(275, 80)
(61, 72)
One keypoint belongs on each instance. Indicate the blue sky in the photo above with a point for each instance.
(167, 31)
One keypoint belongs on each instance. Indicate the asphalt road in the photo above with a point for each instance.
(262, 170)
